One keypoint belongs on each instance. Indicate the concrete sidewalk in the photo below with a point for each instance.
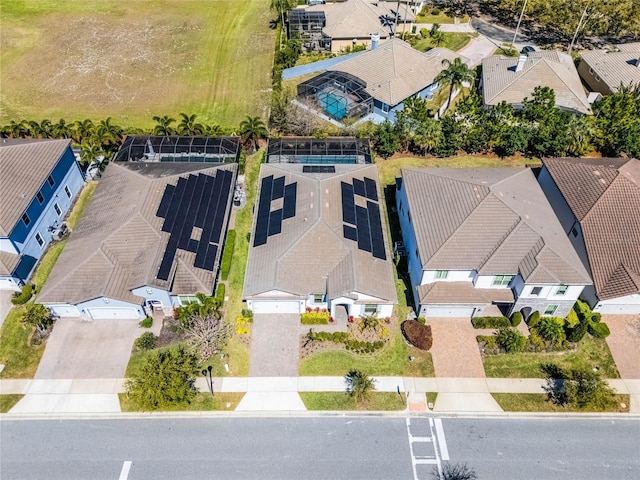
(462, 395)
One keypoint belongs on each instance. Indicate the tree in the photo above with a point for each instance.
(165, 379)
(108, 134)
(617, 124)
(454, 471)
(427, 136)
(358, 385)
(253, 129)
(454, 75)
(580, 388)
(207, 335)
(551, 329)
(163, 125)
(511, 339)
(281, 7)
(82, 129)
(385, 141)
(38, 316)
(189, 126)
(205, 306)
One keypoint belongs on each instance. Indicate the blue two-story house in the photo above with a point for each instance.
(39, 181)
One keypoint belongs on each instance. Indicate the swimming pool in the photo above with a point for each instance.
(334, 103)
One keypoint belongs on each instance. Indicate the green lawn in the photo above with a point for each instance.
(440, 18)
(342, 401)
(8, 401)
(203, 402)
(537, 402)
(452, 40)
(133, 60)
(592, 352)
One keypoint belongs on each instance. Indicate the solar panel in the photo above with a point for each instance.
(221, 209)
(194, 205)
(375, 225)
(278, 188)
(163, 208)
(167, 225)
(350, 233)
(204, 200)
(210, 259)
(358, 187)
(318, 169)
(275, 222)
(364, 235)
(348, 204)
(370, 187)
(289, 203)
(208, 223)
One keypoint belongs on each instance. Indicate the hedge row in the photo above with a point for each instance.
(315, 318)
(229, 244)
(22, 297)
(490, 322)
(343, 337)
(220, 294)
(417, 334)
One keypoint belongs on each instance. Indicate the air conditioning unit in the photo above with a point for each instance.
(58, 233)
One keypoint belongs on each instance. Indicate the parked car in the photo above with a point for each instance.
(527, 49)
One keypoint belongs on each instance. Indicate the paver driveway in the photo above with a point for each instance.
(624, 343)
(455, 351)
(83, 349)
(275, 345)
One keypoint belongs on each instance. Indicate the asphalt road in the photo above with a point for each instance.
(357, 447)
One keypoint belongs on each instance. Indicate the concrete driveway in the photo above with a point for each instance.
(624, 343)
(81, 349)
(455, 351)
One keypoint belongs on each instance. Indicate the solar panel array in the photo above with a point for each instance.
(199, 201)
(319, 169)
(363, 225)
(269, 222)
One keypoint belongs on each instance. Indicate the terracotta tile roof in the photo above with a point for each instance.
(494, 221)
(610, 221)
(24, 167)
(501, 82)
(395, 70)
(119, 243)
(311, 255)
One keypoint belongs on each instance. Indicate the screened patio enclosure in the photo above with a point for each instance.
(338, 95)
(318, 151)
(153, 148)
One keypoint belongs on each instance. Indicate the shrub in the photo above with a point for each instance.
(551, 329)
(580, 388)
(488, 340)
(511, 340)
(146, 341)
(490, 322)
(242, 326)
(315, 318)
(225, 263)
(599, 330)
(220, 292)
(23, 296)
(147, 322)
(247, 313)
(536, 342)
(596, 317)
(516, 319)
(422, 320)
(435, 11)
(583, 310)
(417, 334)
(578, 332)
(572, 318)
(534, 319)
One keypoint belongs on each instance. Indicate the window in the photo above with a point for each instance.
(26, 219)
(442, 274)
(67, 191)
(502, 280)
(574, 231)
(385, 108)
(50, 180)
(56, 207)
(370, 308)
(551, 309)
(318, 297)
(409, 215)
(39, 239)
(40, 197)
(188, 299)
(106, 300)
(536, 291)
(562, 290)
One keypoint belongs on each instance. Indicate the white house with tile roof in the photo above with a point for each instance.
(481, 237)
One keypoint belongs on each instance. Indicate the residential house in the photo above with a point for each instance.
(511, 80)
(605, 71)
(597, 201)
(39, 181)
(153, 233)
(319, 242)
(484, 241)
(372, 85)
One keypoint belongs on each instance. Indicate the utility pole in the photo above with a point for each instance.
(518, 25)
(575, 35)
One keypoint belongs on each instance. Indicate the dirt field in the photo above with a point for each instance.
(131, 60)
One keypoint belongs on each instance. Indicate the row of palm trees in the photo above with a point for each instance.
(105, 136)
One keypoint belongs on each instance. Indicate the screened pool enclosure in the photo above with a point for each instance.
(338, 95)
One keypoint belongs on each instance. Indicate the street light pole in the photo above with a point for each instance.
(584, 13)
(518, 25)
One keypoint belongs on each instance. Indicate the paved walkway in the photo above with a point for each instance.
(624, 343)
(455, 395)
(275, 345)
(5, 304)
(455, 351)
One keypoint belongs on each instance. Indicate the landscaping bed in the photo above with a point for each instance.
(202, 402)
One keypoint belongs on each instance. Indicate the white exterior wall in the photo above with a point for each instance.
(429, 276)
(106, 303)
(7, 245)
(153, 293)
(629, 304)
(63, 310)
(549, 292)
(10, 283)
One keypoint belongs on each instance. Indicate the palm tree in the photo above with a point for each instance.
(82, 129)
(107, 133)
(61, 129)
(163, 125)
(188, 125)
(359, 386)
(282, 6)
(213, 130)
(455, 74)
(253, 129)
(16, 129)
(437, 35)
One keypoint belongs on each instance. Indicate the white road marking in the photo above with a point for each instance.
(442, 441)
(423, 459)
(124, 473)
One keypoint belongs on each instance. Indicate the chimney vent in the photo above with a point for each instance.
(521, 59)
(375, 40)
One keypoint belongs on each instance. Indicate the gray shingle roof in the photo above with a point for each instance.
(24, 167)
(395, 70)
(604, 195)
(8, 263)
(495, 221)
(119, 243)
(615, 68)
(500, 81)
(311, 255)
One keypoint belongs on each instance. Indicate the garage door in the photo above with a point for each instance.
(275, 306)
(113, 313)
(64, 310)
(449, 311)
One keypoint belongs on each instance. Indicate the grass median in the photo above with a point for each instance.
(537, 402)
(201, 403)
(377, 401)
